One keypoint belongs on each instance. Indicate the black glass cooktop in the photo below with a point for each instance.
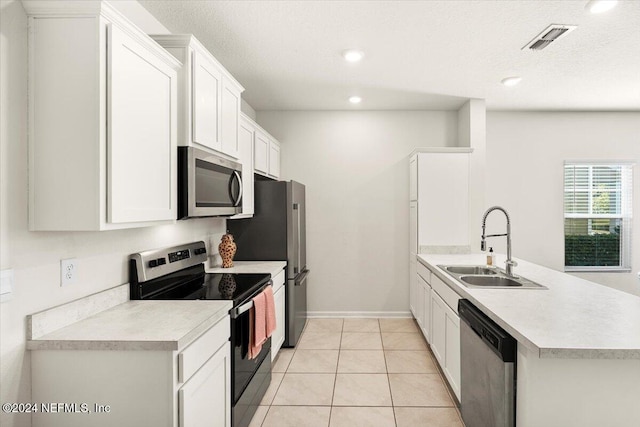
(213, 286)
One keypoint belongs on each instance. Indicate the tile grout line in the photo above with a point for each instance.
(335, 377)
(386, 368)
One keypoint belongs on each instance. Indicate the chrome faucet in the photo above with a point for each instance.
(483, 244)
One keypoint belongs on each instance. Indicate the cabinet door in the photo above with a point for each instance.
(413, 178)
(413, 285)
(438, 328)
(419, 300)
(413, 228)
(261, 153)
(246, 137)
(277, 338)
(141, 141)
(426, 313)
(274, 159)
(443, 184)
(452, 350)
(205, 400)
(207, 83)
(230, 118)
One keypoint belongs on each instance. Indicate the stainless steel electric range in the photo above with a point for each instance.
(178, 273)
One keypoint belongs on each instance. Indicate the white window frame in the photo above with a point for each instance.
(626, 215)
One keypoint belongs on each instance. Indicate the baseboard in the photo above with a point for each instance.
(360, 314)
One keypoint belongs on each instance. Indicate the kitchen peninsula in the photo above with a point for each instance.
(578, 360)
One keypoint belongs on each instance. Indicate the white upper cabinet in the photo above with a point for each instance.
(274, 159)
(209, 97)
(246, 139)
(413, 178)
(439, 184)
(102, 120)
(230, 117)
(207, 81)
(266, 153)
(261, 159)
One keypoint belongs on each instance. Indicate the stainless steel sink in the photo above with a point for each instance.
(490, 281)
(470, 269)
(483, 277)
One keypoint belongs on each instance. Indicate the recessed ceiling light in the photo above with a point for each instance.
(511, 81)
(353, 55)
(599, 6)
(355, 100)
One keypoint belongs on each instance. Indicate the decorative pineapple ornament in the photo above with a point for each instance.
(227, 249)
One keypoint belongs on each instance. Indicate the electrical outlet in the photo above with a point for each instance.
(68, 271)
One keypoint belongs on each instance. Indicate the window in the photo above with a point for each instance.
(597, 216)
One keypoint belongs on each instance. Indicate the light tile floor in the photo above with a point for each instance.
(357, 373)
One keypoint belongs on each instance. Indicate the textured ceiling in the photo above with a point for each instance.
(419, 54)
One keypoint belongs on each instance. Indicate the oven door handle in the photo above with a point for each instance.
(237, 311)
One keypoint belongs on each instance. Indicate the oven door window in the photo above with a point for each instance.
(216, 186)
(243, 367)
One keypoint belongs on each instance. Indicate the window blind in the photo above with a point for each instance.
(597, 215)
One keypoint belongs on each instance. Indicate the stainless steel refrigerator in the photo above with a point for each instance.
(276, 233)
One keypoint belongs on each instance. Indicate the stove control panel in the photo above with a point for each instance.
(156, 263)
(179, 255)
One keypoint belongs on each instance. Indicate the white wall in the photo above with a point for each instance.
(35, 256)
(356, 169)
(525, 155)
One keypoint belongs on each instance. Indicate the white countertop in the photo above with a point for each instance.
(251, 267)
(573, 318)
(137, 325)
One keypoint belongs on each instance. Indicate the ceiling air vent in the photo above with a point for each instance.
(549, 35)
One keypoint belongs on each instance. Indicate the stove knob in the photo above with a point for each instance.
(161, 261)
(153, 263)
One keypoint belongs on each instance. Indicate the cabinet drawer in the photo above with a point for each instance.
(278, 281)
(447, 294)
(424, 272)
(198, 352)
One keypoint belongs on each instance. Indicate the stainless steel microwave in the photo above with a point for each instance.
(208, 185)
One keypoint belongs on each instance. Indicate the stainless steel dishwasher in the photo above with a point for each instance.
(487, 370)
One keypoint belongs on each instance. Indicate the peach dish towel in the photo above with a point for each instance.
(262, 320)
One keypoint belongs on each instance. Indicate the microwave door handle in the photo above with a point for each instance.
(236, 174)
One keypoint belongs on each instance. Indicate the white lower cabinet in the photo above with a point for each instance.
(423, 297)
(452, 350)
(209, 388)
(426, 308)
(434, 305)
(445, 342)
(413, 285)
(438, 327)
(190, 387)
(277, 339)
(419, 302)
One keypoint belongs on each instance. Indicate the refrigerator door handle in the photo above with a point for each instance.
(296, 267)
(303, 277)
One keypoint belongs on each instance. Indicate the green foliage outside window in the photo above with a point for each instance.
(596, 250)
